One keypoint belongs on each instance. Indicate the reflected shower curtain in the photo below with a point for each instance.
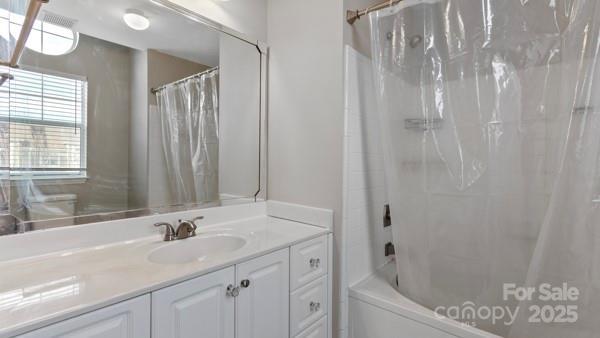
(8, 33)
(189, 120)
(490, 117)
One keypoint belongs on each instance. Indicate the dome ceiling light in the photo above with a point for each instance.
(136, 19)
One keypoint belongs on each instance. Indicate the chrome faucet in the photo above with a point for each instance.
(169, 231)
(185, 229)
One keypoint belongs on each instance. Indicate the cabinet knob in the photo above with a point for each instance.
(245, 283)
(233, 291)
(314, 262)
(315, 306)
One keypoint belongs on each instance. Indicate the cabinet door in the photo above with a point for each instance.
(197, 308)
(262, 307)
(128, 319)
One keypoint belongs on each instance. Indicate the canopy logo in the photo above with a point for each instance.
(469, 314)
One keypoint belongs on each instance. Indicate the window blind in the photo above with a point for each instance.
(42, 124)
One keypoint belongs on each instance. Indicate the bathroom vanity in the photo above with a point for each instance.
(245, 274)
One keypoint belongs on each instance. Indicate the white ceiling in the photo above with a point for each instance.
(169, 32)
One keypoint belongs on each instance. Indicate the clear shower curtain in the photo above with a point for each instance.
(490, 117)
(8, 33)
(190, 133)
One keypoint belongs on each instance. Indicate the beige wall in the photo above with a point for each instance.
(306, 116)
(306, 102)
(165, 68)
(358, 35)
(107, 68)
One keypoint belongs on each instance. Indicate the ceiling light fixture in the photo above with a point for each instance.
(136, 19)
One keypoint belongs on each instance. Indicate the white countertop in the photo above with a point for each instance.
(41, 290)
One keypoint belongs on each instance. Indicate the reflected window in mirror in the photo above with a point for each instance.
(44, 119)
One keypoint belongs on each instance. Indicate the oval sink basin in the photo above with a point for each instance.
(196, 249)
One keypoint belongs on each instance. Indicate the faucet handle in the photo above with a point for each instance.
(169, 231)
(185, 229)
(199, 218)
(193, 221)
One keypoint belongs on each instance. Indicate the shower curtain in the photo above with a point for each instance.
(490, 117)
(190, 137)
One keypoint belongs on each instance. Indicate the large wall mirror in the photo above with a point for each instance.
(123, 108)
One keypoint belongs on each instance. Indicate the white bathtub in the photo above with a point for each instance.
(378, 310)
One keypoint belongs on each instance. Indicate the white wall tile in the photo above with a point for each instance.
(364, 179)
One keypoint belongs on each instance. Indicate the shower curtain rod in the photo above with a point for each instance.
(158, 89)
(352, 16)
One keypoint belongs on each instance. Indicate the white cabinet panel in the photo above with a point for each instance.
(129, 319)
(262, 308)
(317, 330)
(308, 261)
(196, 308)
(308, 304)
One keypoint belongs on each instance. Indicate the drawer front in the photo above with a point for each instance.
(307, 305)
(308, 261)
(317, 330)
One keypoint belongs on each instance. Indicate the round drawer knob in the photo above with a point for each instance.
(245, 283)
(233, 291)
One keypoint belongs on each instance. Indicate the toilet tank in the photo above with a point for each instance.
(52, 206)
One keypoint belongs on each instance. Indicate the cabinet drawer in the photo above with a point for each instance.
(317, 330)
(307, 305)
(308, 261)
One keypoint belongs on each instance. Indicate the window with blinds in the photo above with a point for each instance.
(43, 124)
